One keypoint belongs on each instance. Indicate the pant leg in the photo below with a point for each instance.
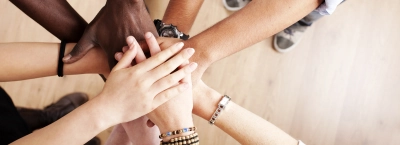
(12, 126)
(310, 18)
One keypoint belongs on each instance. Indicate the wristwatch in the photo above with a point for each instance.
(221, 106)
(169, 30)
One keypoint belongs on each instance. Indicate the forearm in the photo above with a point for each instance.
(241, 124)
(77, 127)
(182, 14)
(258, 20)
(32, 60)
(56, 16)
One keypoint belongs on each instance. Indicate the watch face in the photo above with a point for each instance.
(167, 33)
(224, 101)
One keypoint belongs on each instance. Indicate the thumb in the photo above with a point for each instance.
(80, 49)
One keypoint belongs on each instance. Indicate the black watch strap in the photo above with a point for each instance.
(184, 36)
(160, 27)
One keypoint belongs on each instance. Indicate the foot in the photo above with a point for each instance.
(287, 39)
(235, 5)
(36, 118)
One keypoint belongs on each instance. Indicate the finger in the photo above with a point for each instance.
(80, 49)
(118, 56)
(152, 43)
(168, 94)
(140, 57)
(126, 59)
(125, 48)
(184, 64)
(131, 41)
(160, 58)
(172, 64)
(188, 78)
(175, 78)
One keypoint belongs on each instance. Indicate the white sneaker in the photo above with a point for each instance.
(287, 39)
(235, 5)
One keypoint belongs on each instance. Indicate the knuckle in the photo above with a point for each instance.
(159, 58)
(165, 96)
(170, 81)
(170, 51)
(169, 66)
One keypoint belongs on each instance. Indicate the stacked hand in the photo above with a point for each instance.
(148, 84)
(117, 20)
(200, 89)
(177, 112)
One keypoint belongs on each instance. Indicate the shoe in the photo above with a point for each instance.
(235, 5)
(94, 141)
(287, 39)
(36, 118)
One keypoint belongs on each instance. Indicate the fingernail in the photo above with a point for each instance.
(179, 44)
(193, 66)
(148, 35)
(118, 56)
(67, 57)
(130, 40)
(190, 51)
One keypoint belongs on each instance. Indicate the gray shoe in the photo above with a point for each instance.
(287, 39)
(235, 5)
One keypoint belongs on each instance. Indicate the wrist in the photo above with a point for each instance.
(201, 57)
(208, 104)
(175, 124)
(99, 115)
(108, 116)
(95, 61)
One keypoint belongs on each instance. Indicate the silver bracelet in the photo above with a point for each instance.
(221, 106)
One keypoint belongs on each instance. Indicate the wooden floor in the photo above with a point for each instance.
(340, 85)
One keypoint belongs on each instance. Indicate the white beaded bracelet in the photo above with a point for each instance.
(221, 106)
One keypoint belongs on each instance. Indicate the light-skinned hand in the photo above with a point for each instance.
(133, 91)
(177, 112)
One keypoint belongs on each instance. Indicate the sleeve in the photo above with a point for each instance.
(328, 7)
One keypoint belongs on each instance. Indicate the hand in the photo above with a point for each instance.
(177, 112)
(165, 42)
(196, 75)
(108, 30)
(202, 94)
(133, 91)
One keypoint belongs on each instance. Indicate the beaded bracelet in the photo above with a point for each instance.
(177, 132)
(192, 139)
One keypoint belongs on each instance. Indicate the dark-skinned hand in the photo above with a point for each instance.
(117, 20)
